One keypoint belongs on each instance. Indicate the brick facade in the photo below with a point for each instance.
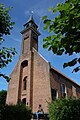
(38, 75)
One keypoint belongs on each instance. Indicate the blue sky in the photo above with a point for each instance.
(20, 13)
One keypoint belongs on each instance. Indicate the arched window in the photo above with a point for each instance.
(24, 63)
(24, 83)
(24, 100)
(63, 90)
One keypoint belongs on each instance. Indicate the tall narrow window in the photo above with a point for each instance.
(54, 94)
(24, 83)
(74, 92)
(63, 90)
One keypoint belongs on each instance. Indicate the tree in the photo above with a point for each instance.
(65, 31)
(6, 26)
(3, 94)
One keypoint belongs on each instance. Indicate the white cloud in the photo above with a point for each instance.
(40, 12)
(15, 39)
(18, 40)
(36, 11)
(39, 9)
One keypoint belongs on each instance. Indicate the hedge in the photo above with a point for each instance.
(65, 109)
(15, 112)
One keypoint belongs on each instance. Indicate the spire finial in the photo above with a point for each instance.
(32, 12)
(31, 17)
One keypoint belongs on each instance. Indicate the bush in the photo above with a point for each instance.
(65, 109)
(15, 112)
(3, 94)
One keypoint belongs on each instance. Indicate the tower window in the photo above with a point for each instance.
(24, 83)
(24, 63)
(27, 25)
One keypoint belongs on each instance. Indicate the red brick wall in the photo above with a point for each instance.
(41, 83)
(12, 94)
(56, 81)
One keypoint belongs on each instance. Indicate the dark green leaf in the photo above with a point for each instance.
(44, 17)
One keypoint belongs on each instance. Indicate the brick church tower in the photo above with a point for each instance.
(30, 79)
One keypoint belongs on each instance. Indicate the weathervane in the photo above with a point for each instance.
(32, 12)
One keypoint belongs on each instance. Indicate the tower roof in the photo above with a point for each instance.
(30, 24)
(30, 20)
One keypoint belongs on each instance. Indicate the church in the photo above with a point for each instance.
(33, 80)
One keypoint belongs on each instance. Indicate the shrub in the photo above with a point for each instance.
(15, 112)
(65, 109)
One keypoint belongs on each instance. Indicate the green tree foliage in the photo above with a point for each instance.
(15, 112)
(3, 94)
(65, 31)
(6, 26)
(65, 109)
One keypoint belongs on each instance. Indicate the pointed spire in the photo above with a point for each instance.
(31, 22)
(31, 19)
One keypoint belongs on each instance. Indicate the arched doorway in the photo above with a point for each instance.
(24, 101)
